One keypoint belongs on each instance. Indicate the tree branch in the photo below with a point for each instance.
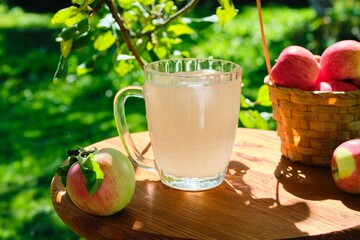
(96, 8)
(124, 32)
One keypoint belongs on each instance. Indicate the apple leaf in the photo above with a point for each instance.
(64, 169)
(92, 173)
(90, 169)
(104, 41)
(76, 30)
(263, 97)
(245, 103)
(252, 119)
(180, 29)
(62, 69)
(64, 14)
(123, 67)
(65, 47)
(226, 11)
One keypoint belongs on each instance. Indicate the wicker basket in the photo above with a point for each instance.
(312, 124)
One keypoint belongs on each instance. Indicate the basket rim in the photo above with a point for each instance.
(354, 94)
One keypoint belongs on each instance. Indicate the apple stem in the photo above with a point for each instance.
(81, 155)
(266, 52)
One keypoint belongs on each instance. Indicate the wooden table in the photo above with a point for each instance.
(264, 196)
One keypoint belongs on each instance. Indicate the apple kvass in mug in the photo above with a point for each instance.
(192, 109)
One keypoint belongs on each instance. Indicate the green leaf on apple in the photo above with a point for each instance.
(92, 173)
(90, 169)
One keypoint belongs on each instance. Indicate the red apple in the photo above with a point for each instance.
(341, 61)
(345, 165)
(335, 86)
(318, 58)
(115, 191)
(296, 67)
(356, 82)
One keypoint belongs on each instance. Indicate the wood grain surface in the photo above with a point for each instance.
(264, 196)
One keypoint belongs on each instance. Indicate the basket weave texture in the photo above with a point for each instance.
(312, 124)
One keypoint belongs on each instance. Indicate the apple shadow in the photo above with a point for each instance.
(312, 183)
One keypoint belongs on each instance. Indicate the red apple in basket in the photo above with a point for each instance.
(356, 82)
(341, 61)
(296, 67)
(335, 86)
(345, 166)
(109, 174)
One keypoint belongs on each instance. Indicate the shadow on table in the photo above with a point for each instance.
(273, 213)
(311, 183)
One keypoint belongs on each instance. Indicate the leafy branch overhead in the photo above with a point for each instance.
(133, 31)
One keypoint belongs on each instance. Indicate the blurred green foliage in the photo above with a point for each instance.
(40, 119)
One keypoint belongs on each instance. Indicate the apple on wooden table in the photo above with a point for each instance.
(345, 166)
(99, 182)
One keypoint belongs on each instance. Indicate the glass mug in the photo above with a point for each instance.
(192, 109)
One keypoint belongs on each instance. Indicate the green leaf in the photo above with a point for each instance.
(82, 69)
(245, 103)
(69, 33)
(82, 2)
(263, 97)
(161, 51)
(180, 29)
(252, 119)
(76, 30)
(90, 169)
(226, 11)
(78, 2)
(148, 28)
(246, 120)
(125, 3)
(65, 47)
(83, 26)
(64, 14)
(75, 19)
(169, 7)
(104, 41)
(92, 174)
(88, 65)
(63, 170)
(62, 69)
(123, 67)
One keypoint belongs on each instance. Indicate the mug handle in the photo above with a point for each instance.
(122, 127)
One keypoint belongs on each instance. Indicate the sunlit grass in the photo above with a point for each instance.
(16, 17)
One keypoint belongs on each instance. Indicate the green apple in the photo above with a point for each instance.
(345, 166)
